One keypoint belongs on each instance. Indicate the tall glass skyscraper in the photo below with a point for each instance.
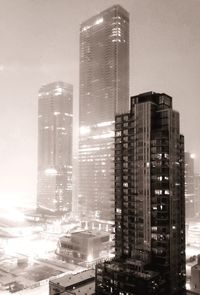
(55, 116)
(149, 202)
(104, 91)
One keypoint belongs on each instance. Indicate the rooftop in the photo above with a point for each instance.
(89, 234)
(92, 20)
(72, 279)
(158, 98)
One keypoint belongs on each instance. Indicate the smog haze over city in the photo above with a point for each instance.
(40, 44)
(100, 147)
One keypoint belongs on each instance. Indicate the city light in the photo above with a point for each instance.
(99, 21)
(89, 258)
(104, 124)
(58, 91)
(12, 214)
(84, 130)
(50, 171)
(106, 135)
(107, 184)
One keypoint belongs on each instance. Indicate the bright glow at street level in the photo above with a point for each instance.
(12, 214)
(89, 258)
(192, 156)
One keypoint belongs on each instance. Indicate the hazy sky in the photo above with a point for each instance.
(40, 44)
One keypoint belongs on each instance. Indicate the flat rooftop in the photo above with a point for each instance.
(72, 279)
(89, 234)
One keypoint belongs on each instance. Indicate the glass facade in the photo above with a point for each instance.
(55, 116)
(104, 87)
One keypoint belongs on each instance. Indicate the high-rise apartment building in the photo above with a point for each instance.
(55, 116)
(189, 186)
(149, 202)
(104, 91)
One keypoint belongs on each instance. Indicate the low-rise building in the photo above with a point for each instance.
(79, 283)
(84, 247)
(195, 277)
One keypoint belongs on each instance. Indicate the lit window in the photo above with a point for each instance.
(99, 21)
(118, 133)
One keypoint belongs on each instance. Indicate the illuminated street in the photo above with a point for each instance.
(27, 253)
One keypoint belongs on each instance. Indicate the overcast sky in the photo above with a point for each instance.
(40, 44)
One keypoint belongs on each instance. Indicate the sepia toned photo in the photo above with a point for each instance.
(100, 147)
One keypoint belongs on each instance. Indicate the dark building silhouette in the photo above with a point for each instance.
(55, 115)
(149, 202)
(104, 91)
(190, 197)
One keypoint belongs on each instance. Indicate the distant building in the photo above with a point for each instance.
(84, 247)
(193, 234)
(97, 224)
(197, 193)
(149, 202)
(190, 197)
(104, 91)
(82, 283)
(55, 115)
(195, 277)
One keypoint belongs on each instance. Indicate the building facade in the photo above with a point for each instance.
(55, 117)
(149, 202)
(84, 247)
(190, 197)
(197, 193)
(104, 91)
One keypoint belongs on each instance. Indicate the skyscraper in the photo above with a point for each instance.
(149, 202)
(55, 115)
(190, 197)
(104, 91)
